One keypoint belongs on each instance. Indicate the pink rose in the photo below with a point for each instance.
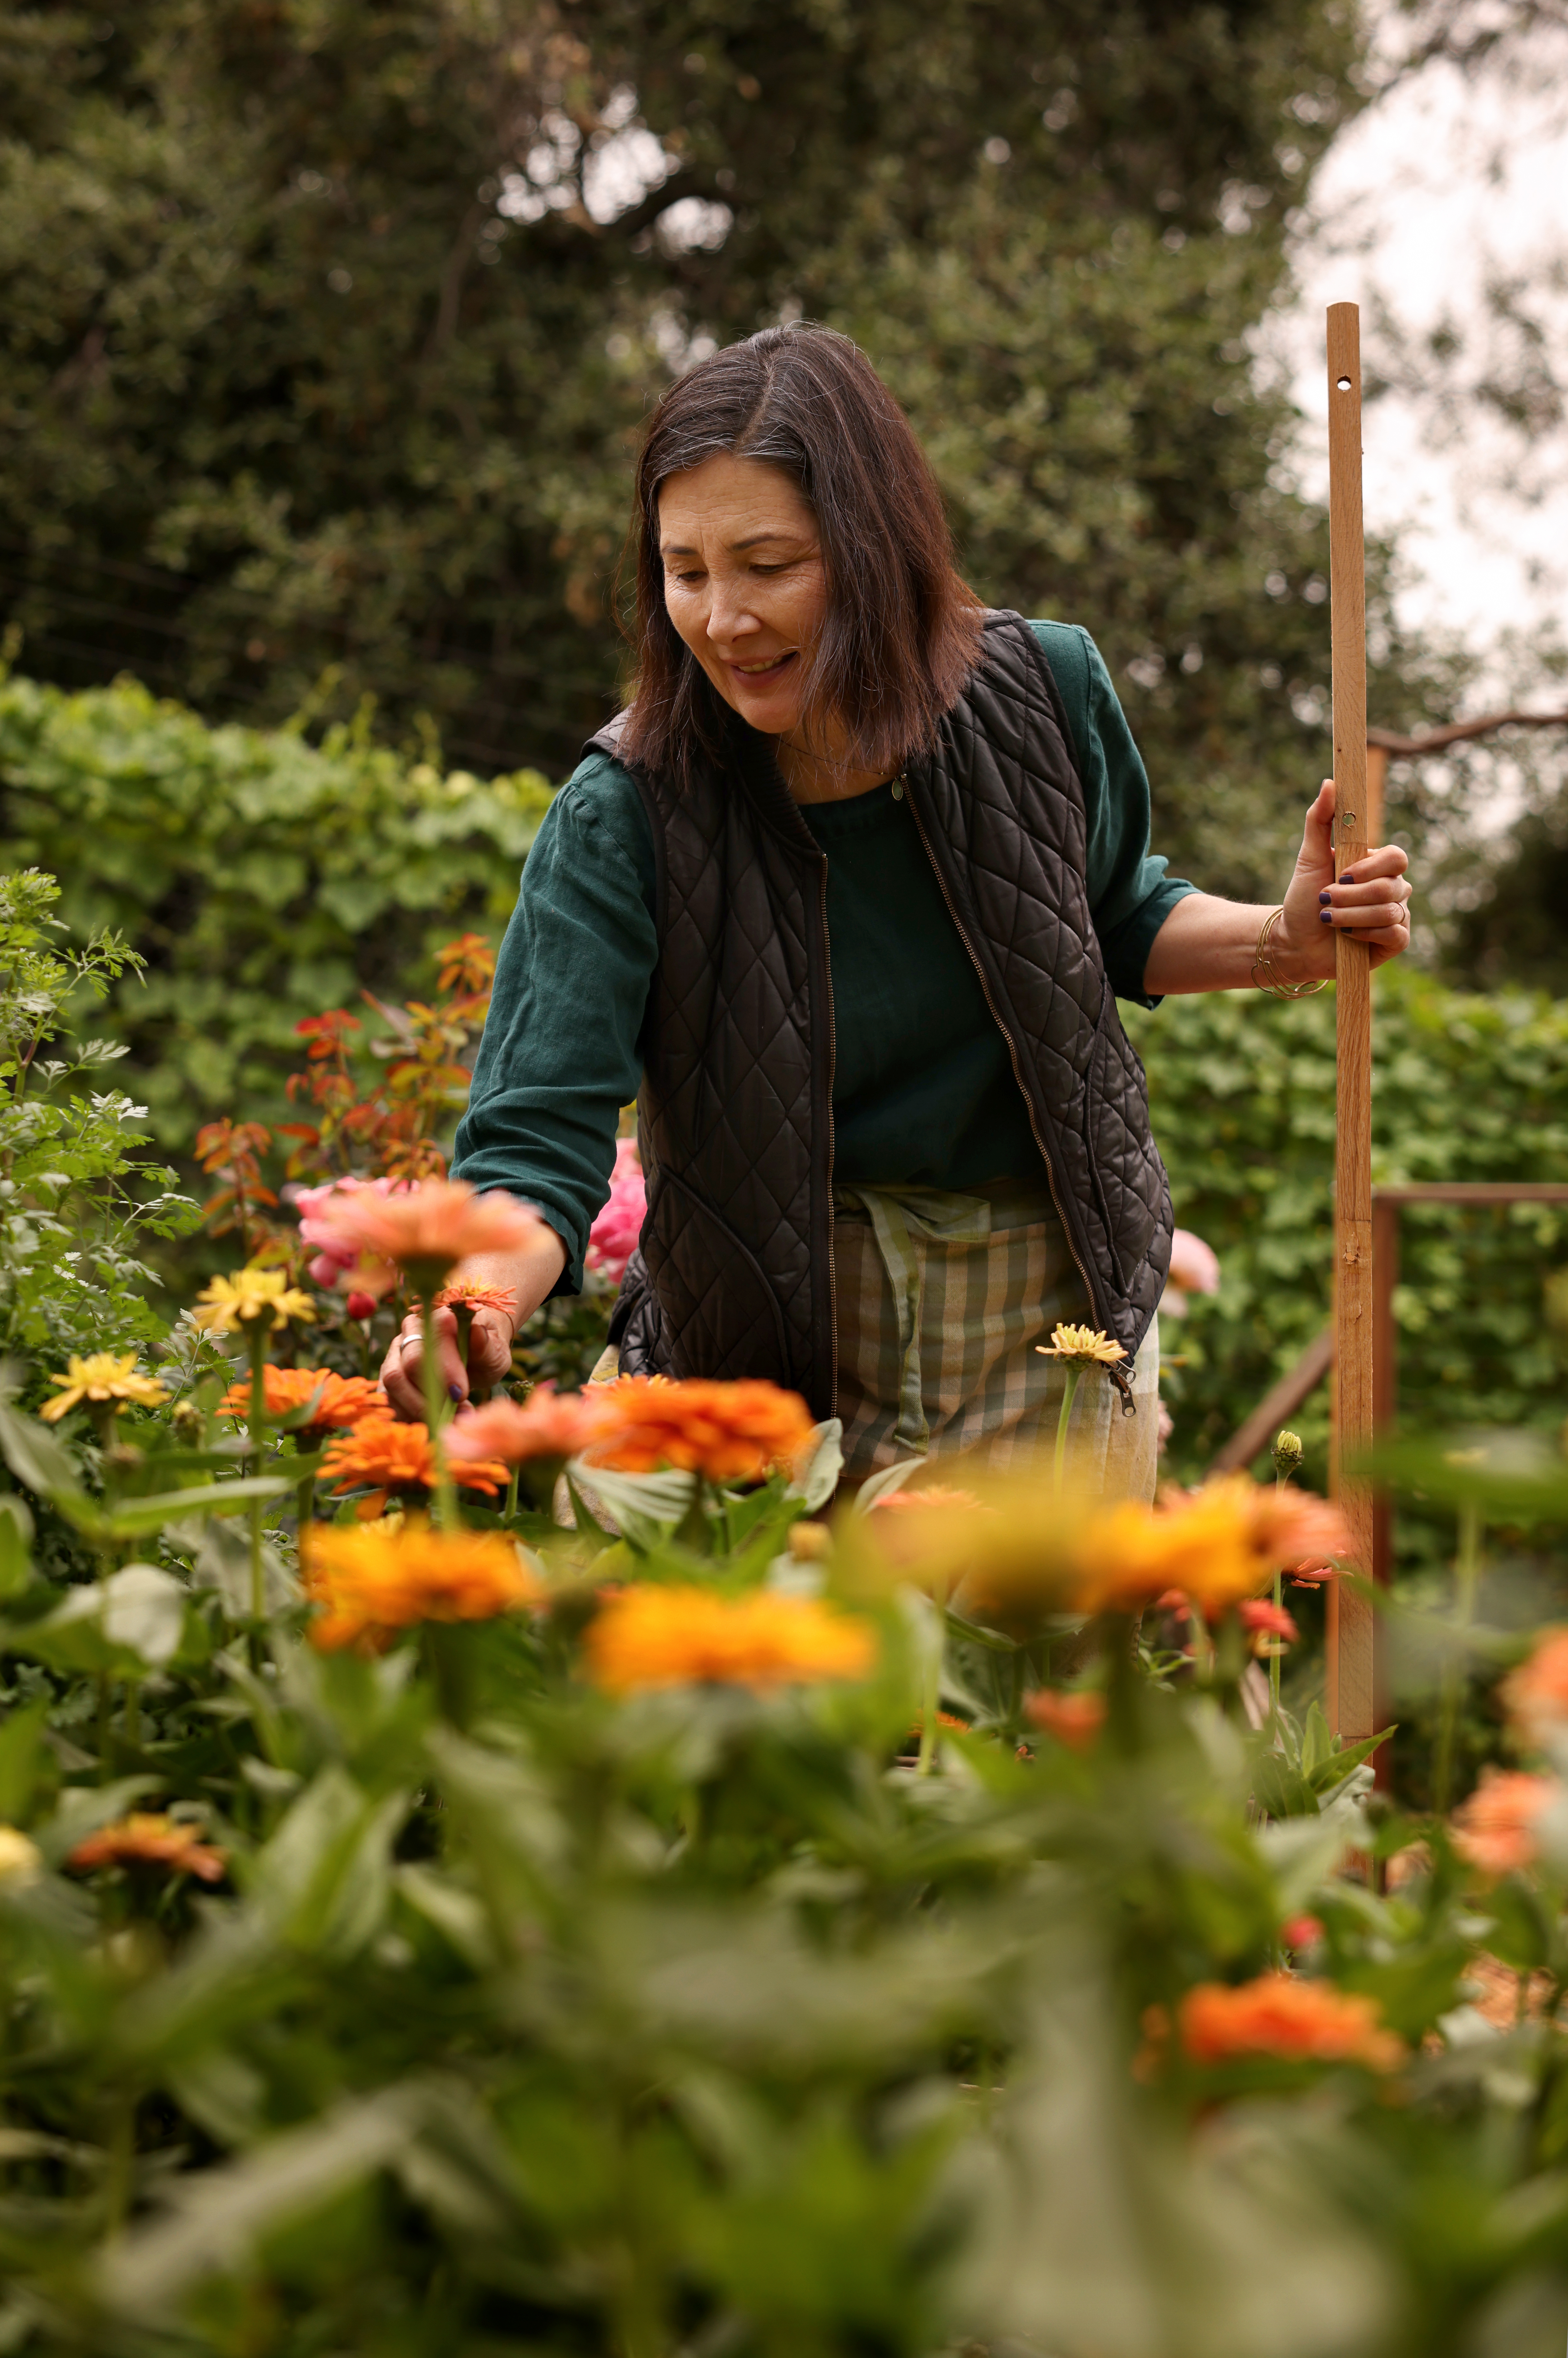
(612, 1240)
(332, 1255)
(1195, 1269)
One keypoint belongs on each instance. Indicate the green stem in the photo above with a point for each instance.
(437, 1406)
(1466, 1578)
(305, 1504)
(1073, 1374)
(511, 1509)
(1274, 1657)
(1279, 1601)
(256, 1336)
(105, 1704)
(931, 1682)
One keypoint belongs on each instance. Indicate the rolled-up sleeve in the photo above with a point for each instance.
(562, 1046)
(1130, 894)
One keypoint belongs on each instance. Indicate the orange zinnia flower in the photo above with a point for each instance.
(1495, 1829)
(656, 1637)
(1292, 2020)
(466, 1294)
(1537, 1693)
(147, 1840)
(344, 1398)
(728, 1433)
(549, 1424)
(1075, 1719)
(387, 1456)
(426, 1229)
(372, 1582)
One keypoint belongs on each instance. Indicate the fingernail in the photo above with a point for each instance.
(1326, 916)
(1323, 895)
(1349, 877)
(454, 1391)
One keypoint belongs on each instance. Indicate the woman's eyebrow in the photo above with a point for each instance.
(750, 540)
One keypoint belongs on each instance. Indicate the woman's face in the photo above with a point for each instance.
(744, 583)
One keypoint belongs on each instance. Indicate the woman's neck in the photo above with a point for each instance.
(813, 778)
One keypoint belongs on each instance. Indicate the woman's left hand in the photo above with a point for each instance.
(1371, 900)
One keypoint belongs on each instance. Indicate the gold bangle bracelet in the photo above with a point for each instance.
(1263, 973)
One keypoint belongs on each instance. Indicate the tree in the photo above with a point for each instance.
(329, 328)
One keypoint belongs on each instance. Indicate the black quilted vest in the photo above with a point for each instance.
(735, 1272)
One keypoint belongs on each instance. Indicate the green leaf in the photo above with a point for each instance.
(820, 1478)
(135, 1518)
(21, 1743)
(16, 1539)
(127, 1625)
(39, 1462)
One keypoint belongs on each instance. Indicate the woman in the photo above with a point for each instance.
(845, 898)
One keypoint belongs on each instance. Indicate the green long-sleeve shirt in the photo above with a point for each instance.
(924, 1092)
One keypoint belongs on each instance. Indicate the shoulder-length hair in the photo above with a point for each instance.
(902, 632)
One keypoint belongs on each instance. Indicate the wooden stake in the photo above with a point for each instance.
(1352, 1686)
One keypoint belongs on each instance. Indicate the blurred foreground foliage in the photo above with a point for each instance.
(448, 1998)
(481, 1987)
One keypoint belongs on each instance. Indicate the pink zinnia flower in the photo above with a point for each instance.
(612, 1240)
(1195, 1269)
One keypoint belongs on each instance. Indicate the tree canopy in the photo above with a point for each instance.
(330, 326)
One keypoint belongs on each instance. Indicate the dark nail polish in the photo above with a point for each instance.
(1326, 916)
(454, 1391)
(1323, 895)
(1349, 877)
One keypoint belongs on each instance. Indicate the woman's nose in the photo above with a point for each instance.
(728, 616)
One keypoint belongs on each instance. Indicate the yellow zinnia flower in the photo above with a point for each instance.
(20, 1860)
(1086, 1343)
(253, 1293)
(104, 1376)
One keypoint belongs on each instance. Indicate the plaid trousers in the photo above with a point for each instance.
(941, 1301)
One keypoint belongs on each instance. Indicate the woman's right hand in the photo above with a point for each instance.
(525, 1278)
(488, 1359)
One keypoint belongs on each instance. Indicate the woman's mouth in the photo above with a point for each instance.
(764, 671)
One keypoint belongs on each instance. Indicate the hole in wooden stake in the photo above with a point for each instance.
(1344, 385)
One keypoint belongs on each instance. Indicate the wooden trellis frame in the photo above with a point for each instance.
(1359, 1344)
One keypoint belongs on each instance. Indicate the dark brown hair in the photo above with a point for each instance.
(902, 632)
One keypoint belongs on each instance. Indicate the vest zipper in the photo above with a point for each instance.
(1116, 1374)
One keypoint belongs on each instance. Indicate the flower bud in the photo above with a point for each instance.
(1288, 1453)
(360, 1305)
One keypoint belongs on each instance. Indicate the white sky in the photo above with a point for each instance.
(1441, 183)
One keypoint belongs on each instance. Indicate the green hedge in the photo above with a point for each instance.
(261, 877)
(1464, 1088)
(264, 878)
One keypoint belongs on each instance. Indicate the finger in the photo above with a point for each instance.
(401, 1378)
(490, 1347)
(454, 1376)
(1376, 890)
(1368, 919)
(1317, 834)
(1387, 859)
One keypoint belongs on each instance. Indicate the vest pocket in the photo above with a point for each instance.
(1128, 1176)
(720, 1318)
